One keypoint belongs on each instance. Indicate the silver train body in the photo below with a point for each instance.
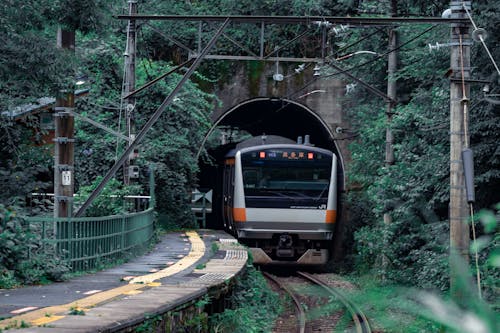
(281, 201)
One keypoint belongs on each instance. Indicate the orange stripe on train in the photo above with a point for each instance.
(331, 216)
(239, 214)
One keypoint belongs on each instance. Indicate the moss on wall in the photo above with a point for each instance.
(255, 70)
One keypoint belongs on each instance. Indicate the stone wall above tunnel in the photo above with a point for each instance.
(307, 104)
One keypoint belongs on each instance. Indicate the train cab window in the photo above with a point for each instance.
(279, 178)
(250, 178)
(264, 180)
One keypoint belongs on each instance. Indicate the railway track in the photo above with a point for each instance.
(304, 324)
(300, 325)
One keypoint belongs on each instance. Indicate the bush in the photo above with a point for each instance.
(111, 199)
(23, 258)
(257, 306)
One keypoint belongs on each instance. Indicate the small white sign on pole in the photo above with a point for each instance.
(66, 177)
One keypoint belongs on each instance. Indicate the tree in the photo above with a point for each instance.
(415, 188)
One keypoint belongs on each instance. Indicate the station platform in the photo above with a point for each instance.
(181, 268)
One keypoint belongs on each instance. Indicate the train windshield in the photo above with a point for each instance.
(287, 173)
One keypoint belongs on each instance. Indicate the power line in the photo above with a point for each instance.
(364, 63)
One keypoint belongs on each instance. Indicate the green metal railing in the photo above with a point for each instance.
(88, 242)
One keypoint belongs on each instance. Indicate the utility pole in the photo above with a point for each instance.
(64, 154)
(64, 140)
(392, 62)
(459, 90)
(129, 82)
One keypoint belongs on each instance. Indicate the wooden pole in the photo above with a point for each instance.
(64, 155)
(64, 140)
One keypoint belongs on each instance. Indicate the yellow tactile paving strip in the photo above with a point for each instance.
(48, 314)
(197, 251)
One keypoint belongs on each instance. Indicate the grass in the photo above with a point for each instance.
(389, 307)
(201, 266)
(214, 247)
(393, 309)
(256, 307)
(76, 311)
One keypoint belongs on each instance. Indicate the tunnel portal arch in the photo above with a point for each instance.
(283, 117)
(276, 116)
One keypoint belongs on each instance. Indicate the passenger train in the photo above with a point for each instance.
(279, 198)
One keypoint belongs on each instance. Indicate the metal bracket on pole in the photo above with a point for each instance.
(62, 198)
(63, 109)
(168, 100)
(65, 167)
(63, 139)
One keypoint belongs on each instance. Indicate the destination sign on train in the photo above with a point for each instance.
(288, 154)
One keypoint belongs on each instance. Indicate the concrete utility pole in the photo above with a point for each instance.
(392, 62)
(64, 140)
(129, 82)
(459, 90)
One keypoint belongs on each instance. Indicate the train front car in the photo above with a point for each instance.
(284, 200)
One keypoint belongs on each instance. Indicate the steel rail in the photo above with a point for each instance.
(301, 325)
(360, 320)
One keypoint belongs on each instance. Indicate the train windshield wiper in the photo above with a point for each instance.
(327, 185)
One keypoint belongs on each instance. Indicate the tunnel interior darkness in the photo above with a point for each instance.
(278, 117)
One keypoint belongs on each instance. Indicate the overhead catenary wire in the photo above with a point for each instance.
(291, 95)
(359, 40)
(481, 38)
(366, 62)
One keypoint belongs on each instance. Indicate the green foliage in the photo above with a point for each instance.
(488, 248)
(214, 247)
(30, 64)
(413, 249)
(389, 307)
(173, 142)
(150, 323)
(76, 311)
(257, 306)
(111, 201)
(466, 312)
(24, 167)
(85, 16)
(24, 259)
(413, 191)
(392, 307)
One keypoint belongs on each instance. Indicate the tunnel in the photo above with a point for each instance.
(257, 117)
(281, 117)
(273, 116)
